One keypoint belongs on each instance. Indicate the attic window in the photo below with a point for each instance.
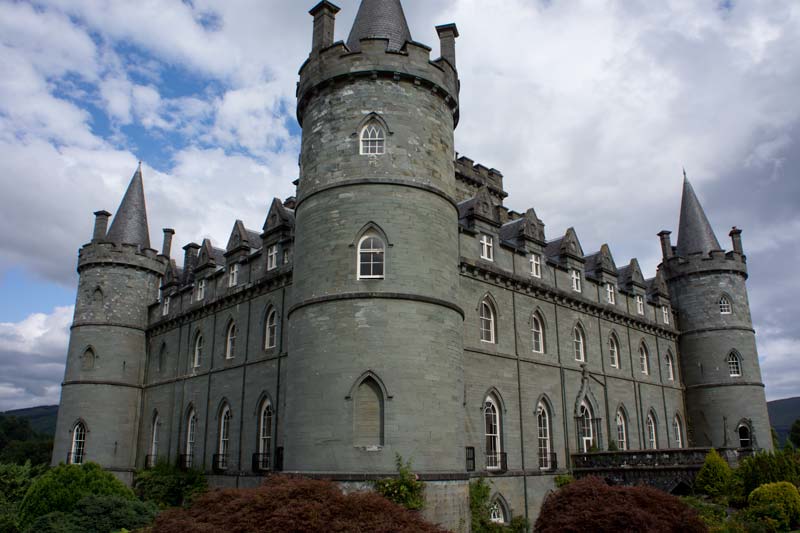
(373, 139)
(576, 280)
(487, 248)
(640, 305)
(165, 307)
(272, 257)
(233, 276)
(665, 312)
(611, 293)
(536, 265)
(200, 293)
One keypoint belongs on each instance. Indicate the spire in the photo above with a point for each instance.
(130, 222)
(695, 234)
(383, 19)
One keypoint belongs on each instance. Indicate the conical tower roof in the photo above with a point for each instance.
(383, 19)
(130, 222)
(695, 234)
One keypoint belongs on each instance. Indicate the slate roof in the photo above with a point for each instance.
(380, 19)
(695, 234)
(130, 222)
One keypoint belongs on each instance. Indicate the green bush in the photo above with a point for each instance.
(713, 515)
(480, 505)
(169, 486)
(563, 480)
(405, 490)
(714, 478)
(16, 479)
(97, 514)
(765, 468)
(61, 488)
(8, 516)
(779, 502)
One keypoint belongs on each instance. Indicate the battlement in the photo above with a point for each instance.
(412, 64)
(718, 260)
(107, 253)
(474, 176)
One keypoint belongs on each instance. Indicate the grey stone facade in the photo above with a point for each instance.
(357, 370)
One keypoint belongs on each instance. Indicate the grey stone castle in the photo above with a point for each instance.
(397, 306)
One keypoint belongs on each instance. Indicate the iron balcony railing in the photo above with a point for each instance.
(641, 458)
(261, 462)
(220, 462)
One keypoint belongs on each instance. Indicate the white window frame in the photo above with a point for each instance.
(611, 293)
(78, 448)
(725, 306)
(165, 306)
(576, 280)
(677, 429)
(487, 323)
(487, 247)
(644, 359)
(271, 330)
(640, 304)
(223, 444)
(272, 257)
(371, 254)
(543, 436)
(494, 443)
(230, 341)
(622, 431)
(613, 350)
(579, 344)
(233, 275)
(586, 429)
(154, 439)
(372, 140)
(734, 365)
(652, 432)
(670, 367)
(197, 352)
(497, 514)
(536, 266)
(200, 292)
(265, 421)
(537, 334)
(665, 312)
(191, 434)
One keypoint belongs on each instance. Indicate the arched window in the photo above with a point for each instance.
(162, 359)
(87, 361)
(271, 330)
(78, 451)
(191, 433)
(371, 256)
(373, 139)
(677, 431)
(586, 428)
(265, 436)
(491, 419)
(579, 342)
(622, 430)
(670, 367)
(745, 438)
(613, 350)
(734, 365)
(545, 444)
(652, 437)
(725, 307)
(644, 359)
(154, 439)
(497, 513)
(230, 341)
(369, 414)
(537, 332)
(488, 325)
(197, 358)
(223, 445)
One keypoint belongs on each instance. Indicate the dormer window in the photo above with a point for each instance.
(487, 248)
(576, 280)
(200, 291)
(640, 305)
(233, 275)
(272, 257)
(536, 265)
(665, 312)
(611, 293)
(373, 139)
(165, 306)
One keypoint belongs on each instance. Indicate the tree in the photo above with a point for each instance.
(19, 443)
(794, 433)
(167, 485)
(714, 477)
(97, 514)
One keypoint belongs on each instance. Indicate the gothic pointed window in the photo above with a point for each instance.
(544, 438)
(622, 430)
(271, 330)
(670, 367)
(223, 445)
(497, 513)
(487, 322)
(677, 431)
(78, 450)
(644, 359)
(725, 307)
(191, 433)
(652, 436)
(154, 441)
(265, 436)
(88, 359)
(197, 357)
(745, 437)
(613, 350)
(371, 257)
(373, 139)
(734, 365)
(537, 332)
(579, 344)
(369, 414)
(230, 341)
(586, 434)
(491, 420)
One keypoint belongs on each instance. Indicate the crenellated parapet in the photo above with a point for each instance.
(471, 177)
(677, 266)
(103, 253)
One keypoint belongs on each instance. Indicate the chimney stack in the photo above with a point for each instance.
(324, 15)
(190, 257)
(166, 249)
(736, 239)
(447, 41)
(666, 244)
(100, 225)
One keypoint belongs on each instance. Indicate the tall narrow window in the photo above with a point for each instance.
(725, 306)
(579, 344)
(272, 257)
(734, 365)
(223, 445)
(652, 437)
(373, 139)
(271, 330)
(537, 333)
(371, 257)
(491, 418)
(487, 322)
(622, 431)
(644, 359)
(78, 451)
(576, 280)
(611, 293)
(586, 428)
(197, 358)
(670, 367)
(536, 265)
(665, 312)
(154, 440)
(191, 432)
(677, 431)
(497, 514)
(233, 275)
(230, 341)
(165, 306)
(613, 350)
(200, 291)
(640, 305)
(369, 415)
(545, 444)
(265, 436)
(745, 439)
(487, 248)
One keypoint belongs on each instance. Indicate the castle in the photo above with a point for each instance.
(396, 306)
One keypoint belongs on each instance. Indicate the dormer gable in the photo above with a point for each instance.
(525, 230)
(657, 289)
(209, 257)
(241, 241)
(600, 265)
(172, 275)
(479, 208)
(631, 277)
(279, 218)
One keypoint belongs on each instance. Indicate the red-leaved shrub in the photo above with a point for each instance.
(291, 505)
(591, 505)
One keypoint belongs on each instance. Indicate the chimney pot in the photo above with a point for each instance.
(100, 225)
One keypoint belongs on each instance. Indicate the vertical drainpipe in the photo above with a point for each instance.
(278, 405)
(208, 390)
(244, 382)
(519, 389)
(172, 403)
(567, 458)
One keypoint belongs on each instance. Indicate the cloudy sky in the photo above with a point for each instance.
(589, 107)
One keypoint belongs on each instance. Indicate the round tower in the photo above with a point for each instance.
(375, 338)
(725, 398)
(119, 277)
